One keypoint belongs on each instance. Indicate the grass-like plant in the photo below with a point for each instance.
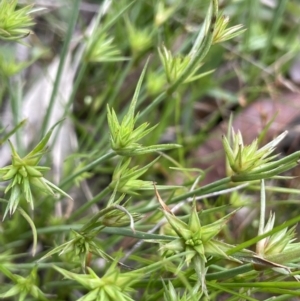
(111, 220)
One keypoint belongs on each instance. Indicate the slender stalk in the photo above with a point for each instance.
(76, 84)
(209, 189)
(230, 273)
(280, 298)
(221, 288)
(278, 284)
(137, 234)
(88, 204)
(179, 134)
(64, 53)
(153, 104)
(215, 186)
(14, 87)
(102, 159)
(127, 232)
(7, 273)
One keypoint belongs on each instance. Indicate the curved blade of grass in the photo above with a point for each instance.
(14, 130)
(33, 228)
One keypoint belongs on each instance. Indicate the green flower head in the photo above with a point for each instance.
(250, 163)
(24, 173)
(195, 241)
(125, 136)
(14, 23)
(112, 286)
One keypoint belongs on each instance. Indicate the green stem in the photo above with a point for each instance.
(278, 284)
(64, 53)
(127, 232)
(179, 136)
(13, 131)
(104, 158)
(90, 203)
(137, 234)
(221, 288)
(280, 298)
(230, 273)
(41, 265)
(213, 187)
(8, 274)
(15, 102)
(156, 265)
(202, 190)
(76, 84)
(153, 104)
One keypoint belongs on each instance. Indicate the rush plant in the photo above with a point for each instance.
(128, 79)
